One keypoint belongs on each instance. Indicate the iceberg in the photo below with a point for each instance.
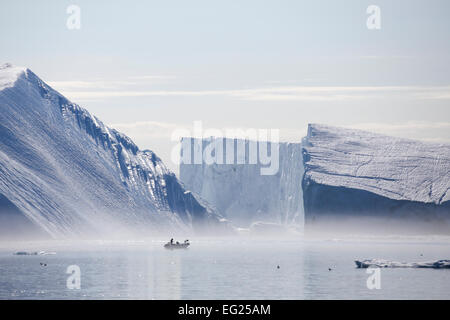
(335, 179)
(380, 263)
(353, 175)
(239, 191)
(63, 173)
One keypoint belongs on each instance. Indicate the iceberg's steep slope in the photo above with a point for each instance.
(68, 173)
(240, 192)
(356, 173)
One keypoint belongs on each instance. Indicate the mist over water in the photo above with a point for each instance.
(224, 268)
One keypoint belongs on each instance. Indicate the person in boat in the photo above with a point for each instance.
(178, 242)
(171, 241)
(186, 241)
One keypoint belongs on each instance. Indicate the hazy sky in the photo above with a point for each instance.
(150, 67)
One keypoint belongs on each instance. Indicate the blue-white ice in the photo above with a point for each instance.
(395, 168)
(70, 174)
(353, 175)
(342, 178)
(381, 263)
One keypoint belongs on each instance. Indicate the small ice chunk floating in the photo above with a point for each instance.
(380, 263)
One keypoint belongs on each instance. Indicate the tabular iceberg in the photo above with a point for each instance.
(336, 179)
(64, 173)
(239, 191)
(381, 263)
(352, 175)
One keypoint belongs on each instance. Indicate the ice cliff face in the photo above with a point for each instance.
(240, 192)
(344, 179)
(352, 173)
(66, 173)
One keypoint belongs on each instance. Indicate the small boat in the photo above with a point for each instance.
(171, 245)
(24, 253)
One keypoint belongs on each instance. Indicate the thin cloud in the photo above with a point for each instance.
(154, 77)
(281, 93)
(156, 129)
(437, 132)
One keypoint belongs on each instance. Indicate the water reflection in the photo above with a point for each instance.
(163, 276)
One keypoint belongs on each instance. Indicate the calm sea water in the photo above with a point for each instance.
(223, 269)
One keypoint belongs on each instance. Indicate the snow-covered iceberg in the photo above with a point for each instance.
(381, 263)
(64, 173)
(355, 175)
(239, 191)
(335, 179)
